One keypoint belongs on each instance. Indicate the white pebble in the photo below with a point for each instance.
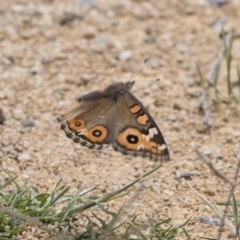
(18, 114)
(24, 157)
(125, 55)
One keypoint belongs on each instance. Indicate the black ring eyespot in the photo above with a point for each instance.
(97, 133)
(132, 139)
(77, 124)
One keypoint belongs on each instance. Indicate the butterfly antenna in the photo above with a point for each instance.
(133, 74)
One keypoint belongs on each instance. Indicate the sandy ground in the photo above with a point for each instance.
(52, 51)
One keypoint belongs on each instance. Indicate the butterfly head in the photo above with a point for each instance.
(117, 88)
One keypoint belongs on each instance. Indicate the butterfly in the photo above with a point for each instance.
(114, 116)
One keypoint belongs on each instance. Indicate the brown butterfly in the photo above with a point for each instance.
(114, 116)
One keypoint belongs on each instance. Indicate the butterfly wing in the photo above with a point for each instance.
(115, 116)
(91, 121)
(136, 132)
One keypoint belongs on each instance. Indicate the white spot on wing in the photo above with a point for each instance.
(147, 137)
(81, 132)
(162, 147)
(141, 146)
(88, 144)
(152, 132)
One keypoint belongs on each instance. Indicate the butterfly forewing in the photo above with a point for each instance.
(138, 134)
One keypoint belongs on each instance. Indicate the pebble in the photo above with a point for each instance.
(24, 157)
(207, 152)
(4, 143)
(177, 106)
(87, 2)
(210, 221)
(185, 175)
(29, 123)
(217, 2)
(102, 39)
(125, 55)
(18, 114)
(172, 117)
(7, 149)
(98, 47)
(85, 77)
(89, 33)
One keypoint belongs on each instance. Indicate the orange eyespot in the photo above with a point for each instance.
(97, 134)
(133, 139)
(76, 124)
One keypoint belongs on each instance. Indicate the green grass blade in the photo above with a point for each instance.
(70, 206)
(8, 183)
(236, 217)
(109, 196)
(186, 234)
(56, 196)
(16, 196)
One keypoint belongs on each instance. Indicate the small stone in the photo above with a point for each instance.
(210, 221)
(4, 143)
(87, 2)
(189, 11)
(7, 149)
(34, 72)
(207, 152)
(70, 17)
(24, 157)
(98, 47)
(29, 123)
(7, 60)
(125, 55)
(172, 117)
(85, 77)
(18, 149)
(89, 33)
(167, 204)
(102, 39)
(218, 2)
(2, 117)
(177, 106)
(18, 114)
(185, 175)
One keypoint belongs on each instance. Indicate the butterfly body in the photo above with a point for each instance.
(114, 116)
